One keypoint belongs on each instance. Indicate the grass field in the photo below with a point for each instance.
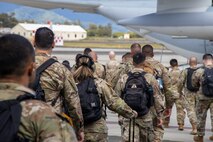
(109, 43)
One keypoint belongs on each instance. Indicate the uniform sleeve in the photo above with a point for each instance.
(196, 77)
(120, 85)
(166, 78)
(159, 99)
(40, 123)
(113, 101)
(182, 81)
(73, 101)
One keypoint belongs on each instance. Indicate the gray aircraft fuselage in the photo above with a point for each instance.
(184, 26)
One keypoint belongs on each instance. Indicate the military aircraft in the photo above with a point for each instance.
(184, 26)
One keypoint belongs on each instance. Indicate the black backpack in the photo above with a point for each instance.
(207, 84)
(138, 94)
(10, 116)
(36, 85)
(90, 101)
(189, 85)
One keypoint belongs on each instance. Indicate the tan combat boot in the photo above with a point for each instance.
(180, 127)
(198, 138)
(211, 138)
(194, 130)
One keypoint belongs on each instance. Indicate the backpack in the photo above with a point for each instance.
(90, 101)
(189, 85)
(207, 84)
(138, 94)
(36, 85)
(10, 116)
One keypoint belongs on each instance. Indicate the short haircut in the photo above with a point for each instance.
(128, 54)
(15, 54)
(147, 49)
(173, 62)
(139, 58)
(87, 51)
(135, 45)
(44, 38)
(207, 57)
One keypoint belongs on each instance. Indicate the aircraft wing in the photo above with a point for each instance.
(182, 5)
(79, 6)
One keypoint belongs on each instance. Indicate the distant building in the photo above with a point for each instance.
(62, 32)
(127, 36)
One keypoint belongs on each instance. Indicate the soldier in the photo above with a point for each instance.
(175, 97)
(87, 51)
(38, 121)
(111, 65)
(125, 67)
(203, 77)
(100, 70)
(159, 72)
(57, 81)
(96, 129)
(189, 94)
(144, 124)
(126, 57)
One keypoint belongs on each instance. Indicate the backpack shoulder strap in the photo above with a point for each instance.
(40, 69)
(45, 65)
(26, 96)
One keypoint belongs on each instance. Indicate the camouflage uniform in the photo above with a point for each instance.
(204, 103)
(97, 131)
(162, 72)
(55, 80)
(111, 68)
(38, 120)
(144, 125)
(189, 98)
(74, 68)
(123, 68)
(175, 97)
(100, 70)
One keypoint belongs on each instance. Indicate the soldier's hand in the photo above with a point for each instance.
(159, 122)
(80, 136)
(134, 114)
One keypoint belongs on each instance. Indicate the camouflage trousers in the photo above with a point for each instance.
(201, 111)
(95, 137)
(96, 131)
(158, 131)
(180, 110)
(143, 129)
(190, 105)
(211, 115)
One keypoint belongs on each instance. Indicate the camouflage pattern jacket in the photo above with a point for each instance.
(122, 69)
(39, 122)
(197, 78)
(161, 72)
(57, 80)
(100, 70)
(111, 68)
(174, 75)
(113, 102)
(182, 85)
(159, 100)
